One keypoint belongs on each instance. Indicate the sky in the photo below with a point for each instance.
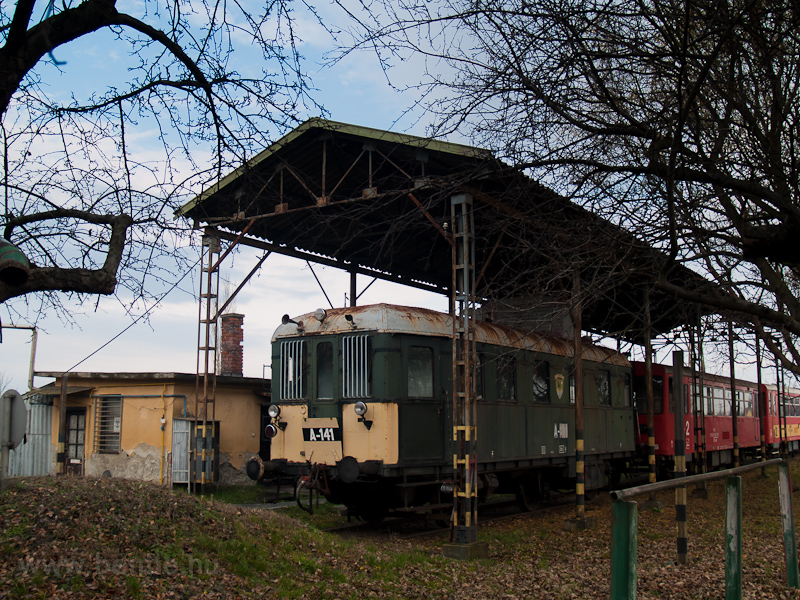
(104, 338)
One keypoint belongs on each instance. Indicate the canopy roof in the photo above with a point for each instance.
(379, 203)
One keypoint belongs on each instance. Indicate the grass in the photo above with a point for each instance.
(219, 550)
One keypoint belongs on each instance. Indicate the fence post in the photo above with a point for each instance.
(733, 538)
(624, 522)
(787, 520)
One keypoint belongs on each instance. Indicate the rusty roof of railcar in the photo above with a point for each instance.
(389, 318)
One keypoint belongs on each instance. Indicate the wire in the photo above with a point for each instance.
(139, 318)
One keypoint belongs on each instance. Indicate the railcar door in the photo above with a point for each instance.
(423, 390)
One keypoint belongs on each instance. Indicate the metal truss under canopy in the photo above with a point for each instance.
(379, 203)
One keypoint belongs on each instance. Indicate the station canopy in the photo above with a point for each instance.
(378, 203)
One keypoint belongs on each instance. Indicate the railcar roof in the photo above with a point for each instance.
(389, 318)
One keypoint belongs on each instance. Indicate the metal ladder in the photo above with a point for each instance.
(465, 465)
(206, 380)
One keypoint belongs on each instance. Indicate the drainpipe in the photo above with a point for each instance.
(163, 424)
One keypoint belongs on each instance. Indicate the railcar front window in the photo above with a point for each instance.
(541, 381)
(420, 372)
(356, 366)
(293, 369)
(325, 370)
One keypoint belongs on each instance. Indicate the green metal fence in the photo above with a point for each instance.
(625, 523)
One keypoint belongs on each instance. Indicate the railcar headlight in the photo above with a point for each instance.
(270, 431)
(360, 408)
(274, 411)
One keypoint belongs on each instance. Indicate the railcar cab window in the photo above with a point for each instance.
(293, 370)
(641, 394)
(672, 398)
(420, 372)
(325, 384)
(356, 366)
(506, 378)
(541, 381)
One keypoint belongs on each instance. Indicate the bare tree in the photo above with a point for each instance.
(88, 201)
(676, 120)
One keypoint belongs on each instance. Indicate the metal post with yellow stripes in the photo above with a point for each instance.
(680, 456)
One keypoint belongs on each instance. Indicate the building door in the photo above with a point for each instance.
(76, 437)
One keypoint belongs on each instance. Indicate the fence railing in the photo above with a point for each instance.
(625, 524)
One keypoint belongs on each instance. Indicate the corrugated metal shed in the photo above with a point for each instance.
(34, 457)
(379, 203)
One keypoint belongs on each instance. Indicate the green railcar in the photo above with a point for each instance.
(362, 409)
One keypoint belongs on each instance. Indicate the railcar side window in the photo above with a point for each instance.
(709, 400)
(356, 366)
(541, 381)
(420, 372)
(293, 376)
(626, 390)
(719, 402)
(603, 379)
(506, 378)
(480, 390)
(746, 404)
(325, 370)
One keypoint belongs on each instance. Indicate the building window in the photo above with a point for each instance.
(107, 423)
(420, 372)
(541, 381)
(293, 370)
(356, 366)
(325, 370)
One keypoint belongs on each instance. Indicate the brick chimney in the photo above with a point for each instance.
(230, 347)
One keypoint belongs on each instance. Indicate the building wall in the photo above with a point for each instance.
(146, 445)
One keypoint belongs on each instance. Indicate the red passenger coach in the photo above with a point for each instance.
(789, 406)
(713, 418)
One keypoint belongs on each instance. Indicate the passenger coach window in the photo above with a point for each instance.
(603, 379)
(506, 378)
(719, 402)
(356, 366)
(541, 381)
(325, 370)
(293, 374)
(709, 400)
(420, 372)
